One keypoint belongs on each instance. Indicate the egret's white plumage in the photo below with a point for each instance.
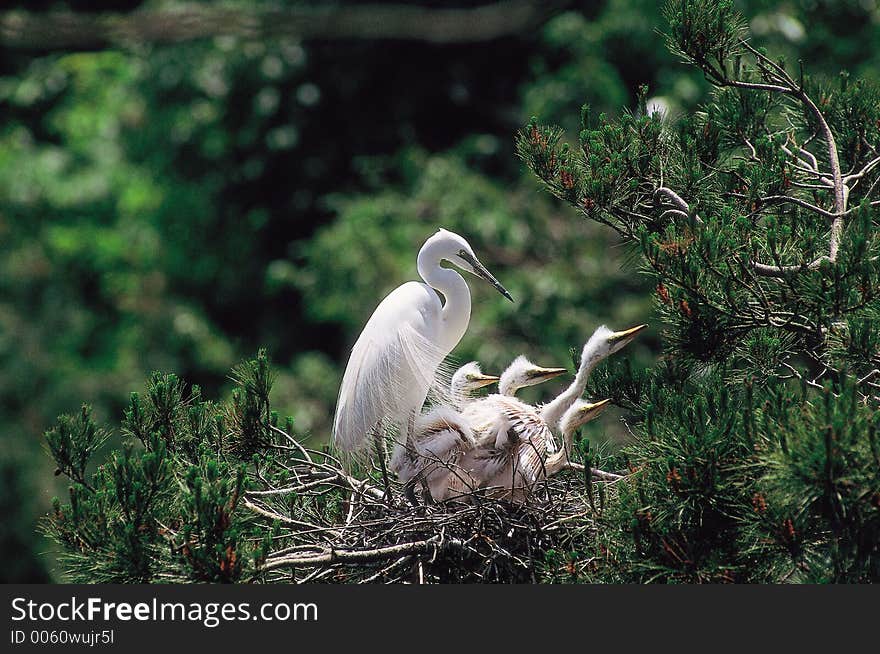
(440, 436)
(511, 436)
(600, 345)
(522, 373)
(511, 446)
(577, 415)
(465, 381)
(393, 363)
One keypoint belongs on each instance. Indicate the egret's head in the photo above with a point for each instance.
(522, 373)
(458, 251)
(470, 378)
(580, 413)
(605, 342)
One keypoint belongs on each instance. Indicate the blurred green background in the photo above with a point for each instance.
(175, 206)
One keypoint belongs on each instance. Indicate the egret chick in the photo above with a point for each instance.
(577, 415)
(440, 436)
(440, 439)
(512, 437)
(467, 380)
(602, 344)
(522, 373)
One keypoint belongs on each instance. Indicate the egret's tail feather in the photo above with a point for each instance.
(383, 381)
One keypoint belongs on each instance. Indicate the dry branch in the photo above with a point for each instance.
(334, 527)
(68, 30)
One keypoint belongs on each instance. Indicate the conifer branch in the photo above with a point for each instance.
(867, 168)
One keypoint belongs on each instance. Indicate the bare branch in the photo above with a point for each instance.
(67, 30)
(677, 200)
(864, 171)
(331, 555)
(875, 203)
(766, 270)
(787, 86)
(774, 199)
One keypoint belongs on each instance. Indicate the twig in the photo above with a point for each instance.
(331, 555)
(677, 200)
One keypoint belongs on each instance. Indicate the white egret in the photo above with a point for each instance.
(512, 437)
(603, 343)
(511, 472)
(440, 436)
(521, 373)
(466, 380)
(394, 361)
(508, 462)
(523, 464)
(577, 415)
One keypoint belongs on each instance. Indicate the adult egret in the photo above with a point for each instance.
(394, 361)
(521, 373)
(440, 436)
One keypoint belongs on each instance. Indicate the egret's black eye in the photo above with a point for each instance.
(462, 254)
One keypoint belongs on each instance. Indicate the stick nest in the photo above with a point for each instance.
(331, 525)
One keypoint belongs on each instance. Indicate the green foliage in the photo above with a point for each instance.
(757, 220)
(706, 33)
(165, 507)
(176, 206)
(73, 441)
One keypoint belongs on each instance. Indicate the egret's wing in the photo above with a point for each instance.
(531, 457)
(519, 464)
(393, 366)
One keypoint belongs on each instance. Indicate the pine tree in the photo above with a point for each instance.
(755, 456)
(167, 506)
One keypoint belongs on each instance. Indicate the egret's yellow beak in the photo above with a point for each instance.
(590, 411)
(478, 381)
(546, 373)
(624, 337)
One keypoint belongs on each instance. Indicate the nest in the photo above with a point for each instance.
(331, 526)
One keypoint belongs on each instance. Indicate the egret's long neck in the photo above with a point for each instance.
(557, 461)
(506, 386)
(456, 313)
(552, 411)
